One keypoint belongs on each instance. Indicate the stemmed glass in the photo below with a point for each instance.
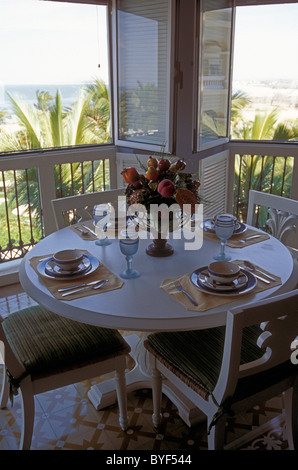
(129, 244)
(101, 218)
(224, 225)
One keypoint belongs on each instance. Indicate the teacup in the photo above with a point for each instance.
(68, 260)
(223, 271)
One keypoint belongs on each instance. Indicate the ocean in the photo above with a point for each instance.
(69, 93)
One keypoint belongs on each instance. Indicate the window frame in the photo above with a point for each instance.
(83, 147)
(198, 146)
(170, 118)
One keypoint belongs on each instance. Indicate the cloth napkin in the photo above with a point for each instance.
(111, 231)
(102, 272)
(234, 241)
(208, 301)
(89, 236)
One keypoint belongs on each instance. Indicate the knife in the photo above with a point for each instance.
(81, 289)
(89, 229)
(80, 285)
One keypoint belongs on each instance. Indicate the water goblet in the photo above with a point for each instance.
(224, 225)
(129, 244)
(101, 218)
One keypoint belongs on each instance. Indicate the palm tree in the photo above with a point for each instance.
(258, 171)
(48, 124)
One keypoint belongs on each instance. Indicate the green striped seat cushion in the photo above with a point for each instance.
(196, 356)
(46, 343)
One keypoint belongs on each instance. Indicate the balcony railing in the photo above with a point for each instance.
(264, 167)
(29, 183)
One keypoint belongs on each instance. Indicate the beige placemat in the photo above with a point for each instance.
(209, 301)
(235, 240)
(102, 272)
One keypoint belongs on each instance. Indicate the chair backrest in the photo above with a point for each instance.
(79, 208)
(278, 320)
(282, 214)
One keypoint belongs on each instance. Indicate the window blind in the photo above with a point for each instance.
(142, 29)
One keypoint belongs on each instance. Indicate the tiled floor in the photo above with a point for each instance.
(66, 420)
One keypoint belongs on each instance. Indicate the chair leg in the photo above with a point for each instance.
(291, 410)
(156, 396)
(4, 390)
(217, 434)
(290, 420)
(122, 397)
(28, 408)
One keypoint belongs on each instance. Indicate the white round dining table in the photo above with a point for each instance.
(140, 304)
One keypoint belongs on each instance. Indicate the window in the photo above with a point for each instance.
(143, 32)
(54, 89)
(214, 78)
(265, 78)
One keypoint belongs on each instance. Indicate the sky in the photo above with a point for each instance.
(52, 42)
(38, 51)
(267, 42)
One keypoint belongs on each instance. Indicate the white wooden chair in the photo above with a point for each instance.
(283, 221)
(44, 351)
(81, 205)
(228, 369)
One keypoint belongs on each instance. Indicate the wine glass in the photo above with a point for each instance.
(224, 225)
(129, 244)
(101, 218)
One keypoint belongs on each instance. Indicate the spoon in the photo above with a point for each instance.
(85, 288)
(251, 267)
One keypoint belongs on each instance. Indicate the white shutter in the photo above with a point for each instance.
(143, 68)
(214, 177)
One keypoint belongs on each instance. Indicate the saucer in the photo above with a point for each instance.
(89, 264)
(246, 282)
(208, 226)
(53, 269)
(206, 281)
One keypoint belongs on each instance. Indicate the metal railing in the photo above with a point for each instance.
(271, 168)
(29, 183)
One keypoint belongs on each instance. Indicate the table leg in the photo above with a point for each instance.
(104, 394)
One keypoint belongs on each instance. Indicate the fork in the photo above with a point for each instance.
(180, 289)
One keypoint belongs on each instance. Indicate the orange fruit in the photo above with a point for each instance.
(152, 174)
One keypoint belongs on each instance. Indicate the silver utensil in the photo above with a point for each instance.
(64, 289)
(256, 275)
(252, 267)
(249, 238)
(81, 289)
(180, 289)
(89, 230)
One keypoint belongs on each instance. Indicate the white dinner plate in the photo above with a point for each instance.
(249, 285)
(90, 261)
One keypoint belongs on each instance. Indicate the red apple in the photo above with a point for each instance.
(180, 165)
(166, 188)
(164, 164)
